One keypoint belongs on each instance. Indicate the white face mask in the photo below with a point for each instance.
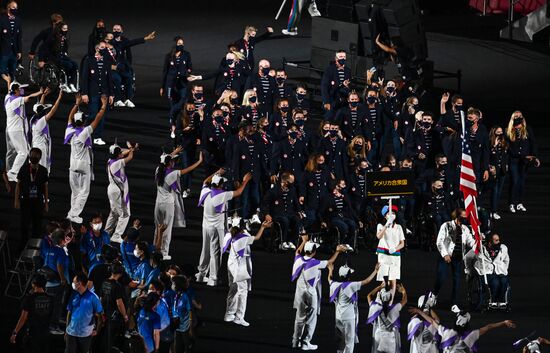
(73, 285)
(173, 287)
(136, 253)
(97, 226)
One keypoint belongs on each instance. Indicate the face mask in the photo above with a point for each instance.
(284, 109)
(117, 34)
(390, 89)
(333, 133)
(357, 147)
(463, 220)
(179, 48)
(459, 107)
(363, 170)
(341, 62)
(353, 104)
(439, 191)
(415, 107)
(97, 226)
(229, 62)
(137, 253)
(252, 99)
(325, 131)
(280, 80)
(265, 71)
(498, 135)
(371, 100)
(198, 95)
(73, 285)
(234, 101)
(265, 126)
(34, 160)
(426, 124)
(342, 188)
(442, 166)
(517, 121)
(225, 114)
(14, 12)
(299, 122)
(496, 246)
(173, 287)
(293, 134)
(104, 52)
(64, 32)
(300, 96)
(218, 119)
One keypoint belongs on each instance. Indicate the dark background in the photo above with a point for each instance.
(498, 77)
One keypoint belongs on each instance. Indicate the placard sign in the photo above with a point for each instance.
(396, 183)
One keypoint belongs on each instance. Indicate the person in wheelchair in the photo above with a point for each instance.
(494, 262)
(337, 211)
(39, 41)
(281, 205)
(57, 51)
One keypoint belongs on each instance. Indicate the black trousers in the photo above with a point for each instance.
(32, 212)
(184, 342)
(36, 343)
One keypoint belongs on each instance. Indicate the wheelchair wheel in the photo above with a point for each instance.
(272, 241)
(508, 297)
(478, 293)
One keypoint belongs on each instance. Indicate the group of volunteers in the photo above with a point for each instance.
(276, 163)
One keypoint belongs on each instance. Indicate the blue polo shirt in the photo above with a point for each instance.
(148, 322)
(182, 308)
(92, 245)
(142, 271)
(129, 261)
(45, 245)
(83, 308)
(54, 256)
(153, 274)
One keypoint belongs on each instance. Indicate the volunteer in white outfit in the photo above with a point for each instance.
(384, 318)
(81, 168)
(239, 265)
(391, 241)
(214, 201)
(460, 339)
(306, 271)
(169, 209)
(420, 332)
(344, 294)
(17, 129)
(118, 190)
(41, 130)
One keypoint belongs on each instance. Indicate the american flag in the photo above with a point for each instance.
(468, 188)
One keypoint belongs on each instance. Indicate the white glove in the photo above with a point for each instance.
(392, 250)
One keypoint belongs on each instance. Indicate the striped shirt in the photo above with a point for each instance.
(341, 76)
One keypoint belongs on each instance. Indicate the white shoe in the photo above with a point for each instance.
(229, 222)
(229, 318)
(291, 246)
(199, 278)
(521, 208)
(306, 346)
(167, 257)
(129, 104)
(99, 142)
(285, 246)
(496, 216)
(512, 209)
(493, 305)
(77, 220)
(119, 103)
(65, 88)
(286, 32)
(185, 194)
(210, 283)
(348, 247)
(241, 322)
(73, 88)
(501, 305)
(116, 239)
(255, 219)
(296, 344)
(408, 231)
(172, 135)
(313, 10)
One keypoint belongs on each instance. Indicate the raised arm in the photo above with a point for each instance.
(73, 111)
(35, 94)
(385, 47)
(339, 249)
(505, 323)
(403, 292)
(55, 106)
(101, 112)
(372, 294)
(265, 225)
(304, 238)
(425, 316)
(371, 277)
(240, 190)
(193, 166)
(209, 178)
(330, 267)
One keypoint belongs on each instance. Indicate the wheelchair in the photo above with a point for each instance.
(50, 75)
(425, 231)
(479, 295)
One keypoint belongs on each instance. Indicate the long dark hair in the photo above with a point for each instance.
(57, 37)
(161, 171)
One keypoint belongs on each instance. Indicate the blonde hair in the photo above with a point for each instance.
(238, 55)
(351, 150)
(246, 97)
(522, 131)
(227, 99)
(250, 28)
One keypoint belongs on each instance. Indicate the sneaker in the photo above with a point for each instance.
(77, 220)
(291, 245)
(255, 219)
(313, 10)
(285, 246)
(116, 238)
(502, 305)
(65, 88)
(241, 322)
(167, 257)
(211, 283)
(119, 103)
(296, 344)
(306, 346)
(99, 141)
(185, 194)
(286, 32)
(229, 318)
(348, 247)
(496, 216)
(521, 208)
(512, 209)
(129, 104)
(172, 135)
(199, 277)
(73, 88)
(56, 331)
(408, 231)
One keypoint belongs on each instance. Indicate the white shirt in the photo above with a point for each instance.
(445, 243)
(15, 114)
(346, 309)
(212, 218)
(81, 149)
(40, 135)
(392, 236)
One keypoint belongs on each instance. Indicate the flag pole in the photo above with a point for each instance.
(280, 9)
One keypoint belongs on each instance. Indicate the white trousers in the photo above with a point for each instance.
(17, 151)
(236, 298)
(211, 260)
(345, 336)
(306, 319)
(120, 213)
(164, 214)
(80, 189)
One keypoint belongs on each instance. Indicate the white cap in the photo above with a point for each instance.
(310, 246)
(37, 105)
(236, 222)
(217, 179)
(164, 157)
(427, 302)
(462, 318)
(113, 147)
(21, 85)
(345, 271)
(78, 116)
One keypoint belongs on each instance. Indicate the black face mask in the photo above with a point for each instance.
(363, 170)
(293, 135)
(333, 133)
(218, 118)
(518, 121)
(495, 246)
(34, 160)
(252, 99)
(229, 62)
(225, 114)
(426, 124)
(234, 101)
(284, 109)
(463, 220)
(371, 100)
(439, 192)
(179, 48)
(299, 122)
(14, 12)
(265, 71)
(300, 96)
(353, 104)
(104, 52)
(325, 131)
(117, 34)
(459, 107)
(390, 90)
(64, 33)
(357, 147)
(341, 62)
(198, 95)
(441, 166)
(415, 107)
(280, 80)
